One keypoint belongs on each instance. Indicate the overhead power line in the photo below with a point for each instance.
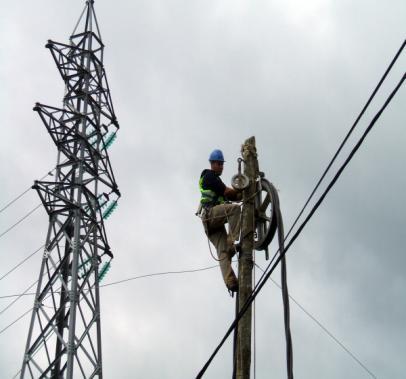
(301, 307)
(330, 334)
(159, 274)
(20, 220)
(395, 58)
(17, 319)
(15, 199)
(103, 285)
(309, 216)
(49, 173)
(301, 212)
(128, 279)
(22, 262)
(19, 297)
(26, 293)
(371, 97)
(378, 86)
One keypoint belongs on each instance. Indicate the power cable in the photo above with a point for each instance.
(106, 285)
(347, 350)
(25, 293)
(18, 297)
(315, 207)
(18, 319)
(284, 281)
(371, 97)
(23, 261)
(254, 314)
(15, 199)
(25, 313)
(207, 268)
(335, 339)
(378, 86)
(20, 220)
(267, 276)
(33, 354)
(278, 259)
(338, 174)
(129, 279)
(307, 201)
(159, 274)
(49, 173)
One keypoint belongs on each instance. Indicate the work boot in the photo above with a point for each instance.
(233, 286)
(234, 248)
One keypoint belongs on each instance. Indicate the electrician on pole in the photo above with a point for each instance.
(216, 210)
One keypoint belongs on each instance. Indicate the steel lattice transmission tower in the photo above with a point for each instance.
(64, 338)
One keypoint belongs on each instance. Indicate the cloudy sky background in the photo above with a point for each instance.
(190, 76)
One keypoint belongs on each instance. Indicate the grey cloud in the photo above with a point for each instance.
(190, 76)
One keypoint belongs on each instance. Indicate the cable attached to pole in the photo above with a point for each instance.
(284, 282)
(235, 339)
(309, 216)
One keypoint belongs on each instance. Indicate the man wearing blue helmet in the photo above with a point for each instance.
(217, 212)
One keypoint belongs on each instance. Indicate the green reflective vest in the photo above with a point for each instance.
(208, 196)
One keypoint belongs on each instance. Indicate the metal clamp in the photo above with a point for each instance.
(240, 181)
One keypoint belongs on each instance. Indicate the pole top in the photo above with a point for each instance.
(248, 149)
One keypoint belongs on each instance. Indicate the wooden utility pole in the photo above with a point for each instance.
(249, 154)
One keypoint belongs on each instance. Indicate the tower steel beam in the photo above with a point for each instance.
(64, 337)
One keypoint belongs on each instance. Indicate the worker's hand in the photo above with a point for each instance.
(238, 196)
(232, 194)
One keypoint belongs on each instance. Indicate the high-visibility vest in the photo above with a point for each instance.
(208, 196)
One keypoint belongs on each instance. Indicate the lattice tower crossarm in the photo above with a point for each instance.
(64, 337)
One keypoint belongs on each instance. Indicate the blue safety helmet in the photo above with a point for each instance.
(216, 155)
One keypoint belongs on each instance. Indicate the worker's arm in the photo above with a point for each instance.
(232, 194)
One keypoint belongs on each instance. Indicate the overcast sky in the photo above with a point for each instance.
(190, 76)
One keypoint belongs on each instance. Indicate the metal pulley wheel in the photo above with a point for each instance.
(265, 217)
(240, 181)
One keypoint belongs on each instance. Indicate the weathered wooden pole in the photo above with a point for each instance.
(249, 154)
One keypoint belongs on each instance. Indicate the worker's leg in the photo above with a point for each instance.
(233, 215)
(216, 217)
(223, 213)
(219, 239)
